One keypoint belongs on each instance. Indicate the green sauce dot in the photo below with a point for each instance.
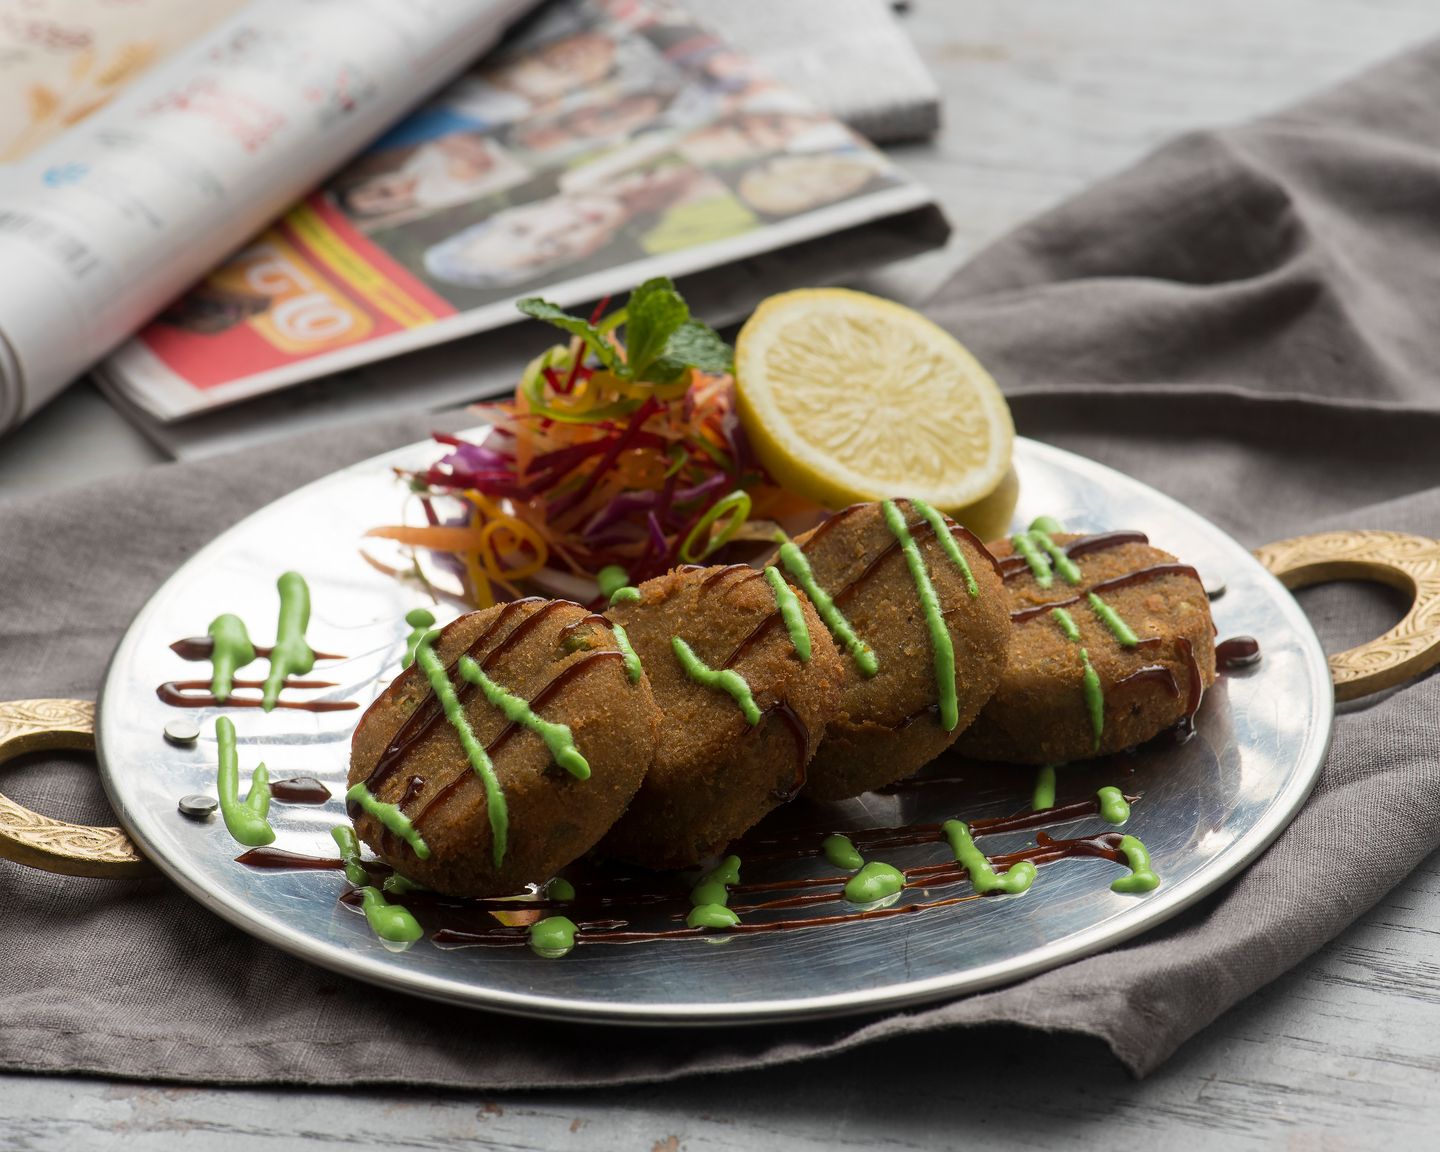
(1142, 877)
(984, 878)
(611, 579)
(841, 852)
(553, 936)
(1113, 806)
(875, 881)
(713, 887)
(398, 885)
(711, 916)
(560, 889)
(420, 621)
(1044, 796)
(389, 921)
(349, 845)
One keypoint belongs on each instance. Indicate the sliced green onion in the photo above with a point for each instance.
(736, 506)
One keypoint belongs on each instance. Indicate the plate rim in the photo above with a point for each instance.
(1156, 909)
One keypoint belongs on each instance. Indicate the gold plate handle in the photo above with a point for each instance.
(38, 841)
(1409, 563)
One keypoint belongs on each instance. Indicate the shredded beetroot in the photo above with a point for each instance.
(626, 487)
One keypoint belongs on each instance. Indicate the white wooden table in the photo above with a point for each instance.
(1042, 97)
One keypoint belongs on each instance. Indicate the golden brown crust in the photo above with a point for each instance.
(553, 817)
(887, 725)
(714, 774)
(1039, 714)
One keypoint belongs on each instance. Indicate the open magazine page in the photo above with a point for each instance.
(114, 217)
(614, 141)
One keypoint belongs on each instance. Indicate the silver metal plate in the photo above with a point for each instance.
(1209, 805)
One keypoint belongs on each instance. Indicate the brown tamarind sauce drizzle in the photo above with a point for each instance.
(299, 790)
(201, 648)
(825, 890)
(605, 904)
(564, 677)
(1237, 652)
(197, 694)
(1128, 579)
(1013, 566)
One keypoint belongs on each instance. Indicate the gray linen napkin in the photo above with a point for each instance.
(1244, 321)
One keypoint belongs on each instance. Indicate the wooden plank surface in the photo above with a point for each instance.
(1042, 97)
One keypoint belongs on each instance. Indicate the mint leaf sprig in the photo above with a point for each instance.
(662, 340)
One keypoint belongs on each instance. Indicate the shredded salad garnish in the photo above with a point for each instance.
(621, 449)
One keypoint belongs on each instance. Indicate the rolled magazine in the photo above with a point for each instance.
(106, 224)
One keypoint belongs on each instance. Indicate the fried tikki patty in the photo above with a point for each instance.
(1113, 648)
(566, 663)
(740, 723)
(923, 637)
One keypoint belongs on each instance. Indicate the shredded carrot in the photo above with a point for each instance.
(435, 536)
(589, 467)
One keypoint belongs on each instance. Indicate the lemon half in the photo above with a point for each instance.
(847, 397)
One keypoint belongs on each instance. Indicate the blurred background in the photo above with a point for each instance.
(993, 110)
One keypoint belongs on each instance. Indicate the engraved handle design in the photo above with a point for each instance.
(38, 841)
(1409, 563)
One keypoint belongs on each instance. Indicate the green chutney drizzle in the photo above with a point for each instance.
(420, 621)
(633, 668)
(941, 646)
(1066, 622)
(725, 680)
(553, 936)
(291, 653)
(948, 543)
(984, 878)
(558, 737)
(1094, 698)
(498, 810)
(1068, 569)
(711, 896)
(398, 885)
(876, 881)
(1044, 796)
(790, 612)
(1113, 807)
(711, 916)
(230, 650)
(1111, 619)
(349, 845)
(798, 565)
(389, 921)
(1046, 524)
(1028, 550)
(1142, 877)
(1089, 678)
(391, 817)
(245, 820)
(714, 886)
(841, 852)
(629, 594)
(611, 579)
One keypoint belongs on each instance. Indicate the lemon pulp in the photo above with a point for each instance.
(848, 397)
